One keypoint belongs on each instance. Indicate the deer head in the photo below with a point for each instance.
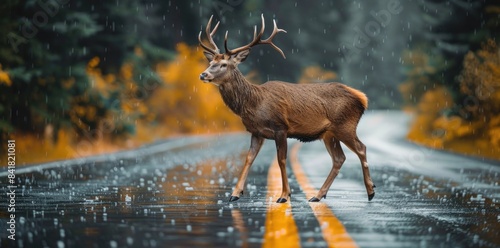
(221, 64)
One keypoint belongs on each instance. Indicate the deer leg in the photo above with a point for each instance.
(360, 149)
(281, 147)
(255, 145)
(338, 158)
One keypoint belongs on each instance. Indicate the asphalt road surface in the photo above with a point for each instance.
(174, 194)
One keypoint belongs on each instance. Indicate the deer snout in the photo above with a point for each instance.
(206, 77)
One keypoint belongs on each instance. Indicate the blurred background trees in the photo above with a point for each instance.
(453, 70)
(81, 77)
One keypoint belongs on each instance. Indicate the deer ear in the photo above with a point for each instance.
(241, 56)
(209, 56)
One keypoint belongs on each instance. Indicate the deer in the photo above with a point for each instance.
(278, 110)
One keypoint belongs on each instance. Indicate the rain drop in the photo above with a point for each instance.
(60, 244)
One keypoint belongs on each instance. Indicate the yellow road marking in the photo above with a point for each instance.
(280, 228)
(239, 223)
(332, 229)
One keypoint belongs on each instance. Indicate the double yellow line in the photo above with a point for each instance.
(281, 229)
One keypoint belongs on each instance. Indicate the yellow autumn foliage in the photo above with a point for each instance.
(432, 103)
(475, 129)
(418, 79)
(184, 104)
(480, 82)
(454, 127)
(313, 74)
(4, 77)
(479, 79)
(104, 84)
(36, 149)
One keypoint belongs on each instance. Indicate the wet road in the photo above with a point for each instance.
(174, 194)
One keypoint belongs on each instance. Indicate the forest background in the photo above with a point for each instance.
(87, 77)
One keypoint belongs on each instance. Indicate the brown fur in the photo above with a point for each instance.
(303, 111)
(307, 112)
(361, 96)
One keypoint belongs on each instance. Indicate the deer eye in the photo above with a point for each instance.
(223, 65)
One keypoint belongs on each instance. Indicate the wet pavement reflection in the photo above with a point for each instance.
(174, 194)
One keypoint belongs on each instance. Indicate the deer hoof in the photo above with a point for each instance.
(281, 200)
(315, 199)
(233, 198)
(370, 196)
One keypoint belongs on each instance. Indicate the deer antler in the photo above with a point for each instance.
(210, 34)
(257, 40)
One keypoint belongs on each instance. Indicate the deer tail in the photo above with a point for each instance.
(360, 95)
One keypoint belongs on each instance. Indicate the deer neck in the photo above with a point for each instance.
(239, 94)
